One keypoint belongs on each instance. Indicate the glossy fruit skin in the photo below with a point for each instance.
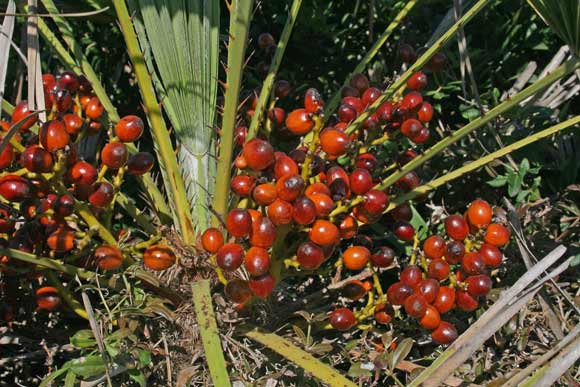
(324, 233)
(280, 212)
(238, 290)
(356, 257)
(47, 298)
(370, 95)
(230, 256)
(284, 165)
(411, 275)
(290, 187)
(434, 247)
(83, 173)
(53, 135)
(456, 227)
(257, 261)
(338, 182)
(437, 62)
(346, 113)
(384, 256)
(129, 128)
(465, 301)
(317, 188)
(36, 159)
(240, 134)
(334, 142)
(497, 235)
(159, 257)
(242, 185)
(212, 239)
(313, 102)
(446, 333)
(94, 109)
(445, 299)
(108, 257)
(14, 188)
(259, 154)
(20, 112)
(342, 319)
(412, 101)
(402, 212)
(425, 112)
(323, 204)
(239, 223)
(479, 213)
(375, 202)
(411, 128)
(262, 286)
(428, 288)
(115, 155)
(310, 256)
(102, 194)
(61, 241)
(383, 313)
(361, 181)
(304, 211)
(417, 81)
(277, 116)
(299, 122)
(454, 252)
(409, 181)
(398, 292)
(438, 269)
(478, 285)
(69, 81)
(263, 232)
(72, 124)
(64, 205)
(360, 82)
(140, 163)
(492, 256)
(404, 231)
(431, 319)
(354, 290)
(473, 263)
(264, 194)
(6, 156)
(415, 306)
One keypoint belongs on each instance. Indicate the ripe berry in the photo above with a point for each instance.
(259, 154)
(409, 181)
(402, 212)
(20, 112)
(313, 102)
(114, 155)
(277, 116)
(404, 231)
(370, 95)
(445, 333)
(212, 239)
(129, 128)
(317, 188)
(240, 134)
(465, 301)
(367, 161)
(289, 187)
(239, 223)
(61, 241)
(479, 213)
(14, 188)
(257, 261)
(263, 232)
(438, 269)
(415, 305)
(280, 212)
(238, 290)
(36, 159)
(473, 263)
(385, 112)
(108, 257)
(456, 227)
(478, 285)
(417, 81)
(158, 257)
(304, 211)
(422, 136)
(428, 288)
(64, 205)
(346, 113)
(53, 135)
(411, 275)
(355, 102)
(492, 256)
(342, 319)
(47, 298)
(454, 252)
(6, 156)
(425, 113)
(360, 82)
(72, 123)
(140, 163)
(354, 290)
(242, 185)
(262, 286)
(284, 165)
(383, 257)
(356, 257)
(102, 194)
(264, 194)
(323, 204)
(324, 233)
(375, 202)
(431, 319)
(434, 247)
(398, 292)
(94, 109)
(361, 181)
(310, 256)
(83, 173)
(383, 313)
(299, 122)
(230, 256)
(411, 128)
(334, 142)
(497, 235)
(445, 299)
(412, 101)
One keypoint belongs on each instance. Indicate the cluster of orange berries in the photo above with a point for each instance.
(43, 181)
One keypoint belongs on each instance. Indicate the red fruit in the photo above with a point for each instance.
(411, 128)
(334, 142)
(360, 82)
(129, 128)
(265, 194)
(438, 269)
(425, 113)
(478, 285)
(83, 173)
(497, 235)
(409, 181)
(338, 182)
(324, 233)
(383, 313)
(238, 290)
(411, 275)
(36, 159)
(428, 288)
(140, 163)
(158, 257)
(263, 232)
(14, 188)
(356, 257)
(61, 241)
(349, 91)
(299, 121)
(115, 155)
(240, 135)
(310, 256)
(304, 211)
(313, 102)
(415, 305)
(361, 181)
(323, 204)
(48, 82)
(473, 263)
(108, 257)
(431, 319)
(280, 212)
(289, 187)
(257, 261)
(211, 240)
(262, 286)
(346, 113)
(69, 81)
(383, 257)
(412, 101)
(404, 231)
(367, 161)
(456, 227)
(446, 333)
(242, 185)
(385, 112)
(375, 202)
(422, 137)
(277, 116)
(259, 154)
(465, 301)
(402, 212)
(102, 194)
(47, 298)
(479, 213)
(370, 95)
(72, 123)
(230, 256)
(284, 165)
(417, 81)
(492, 256)
(436, 62)
(20, 112)
(239, 223)
(398, 292)
(342, 319)
(445, 299)
(53, 135)
(64, 205)
(355, 102)
(317, 188)
(434, 247)
(94, 109)
(348, 227)
(407, 156)
(354, 290)
(454, 252)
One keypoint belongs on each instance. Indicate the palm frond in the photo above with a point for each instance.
(563, 16)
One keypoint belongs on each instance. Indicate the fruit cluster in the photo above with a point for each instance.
(51, 194)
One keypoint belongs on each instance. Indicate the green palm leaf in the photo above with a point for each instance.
(564, 18)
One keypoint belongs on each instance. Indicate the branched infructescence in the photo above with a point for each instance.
(324, 192)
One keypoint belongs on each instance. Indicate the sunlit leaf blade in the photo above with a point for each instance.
(563, 16)
(5, 38)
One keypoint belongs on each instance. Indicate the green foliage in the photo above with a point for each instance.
(522, 184)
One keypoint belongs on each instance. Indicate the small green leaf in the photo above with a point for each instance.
(498, 181)
(524, 168)
(88, 366)
(137, 376)
(402, 351)
(575, 261)
(144, 358)
(356, 371)
(70, 379)
(83, 339)
(514, 183)
(300, 333)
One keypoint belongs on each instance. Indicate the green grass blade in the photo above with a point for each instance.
(303, 359)
(209, 333)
